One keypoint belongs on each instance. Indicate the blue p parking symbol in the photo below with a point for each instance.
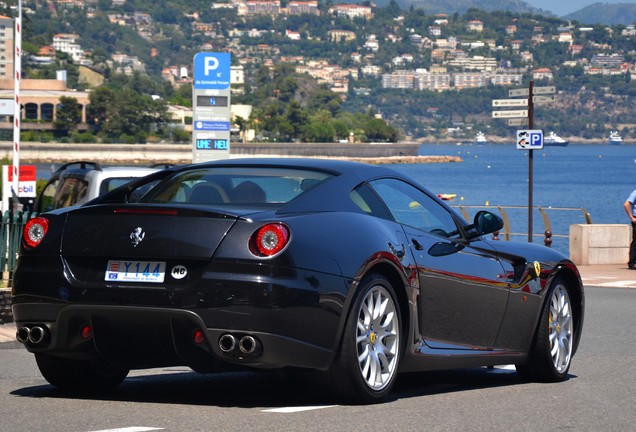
(212, 70)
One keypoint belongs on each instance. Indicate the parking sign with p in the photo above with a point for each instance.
(212, 70)
(530, 139)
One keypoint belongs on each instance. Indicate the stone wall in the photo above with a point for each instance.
(182, 153)
(600, 243)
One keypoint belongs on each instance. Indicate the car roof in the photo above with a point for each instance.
(85, 171)
(334, 166)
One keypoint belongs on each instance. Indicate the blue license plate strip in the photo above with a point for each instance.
(135, 271)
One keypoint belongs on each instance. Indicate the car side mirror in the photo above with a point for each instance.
(486, 222)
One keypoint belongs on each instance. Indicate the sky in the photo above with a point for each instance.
(564, 7)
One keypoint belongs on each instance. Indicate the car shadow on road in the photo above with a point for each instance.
(266, 389)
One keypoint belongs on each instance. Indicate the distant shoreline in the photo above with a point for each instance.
(147, 154)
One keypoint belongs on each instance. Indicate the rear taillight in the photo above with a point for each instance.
(34, 231)
(270, 239)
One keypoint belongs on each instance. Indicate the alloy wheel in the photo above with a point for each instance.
(560, 328)
(377, 338)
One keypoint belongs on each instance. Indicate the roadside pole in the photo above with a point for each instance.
(17, 65)
(530, 160)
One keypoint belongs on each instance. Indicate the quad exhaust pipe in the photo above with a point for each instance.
(245, 345)
(34, 335)
(248, 344)
(227, 343)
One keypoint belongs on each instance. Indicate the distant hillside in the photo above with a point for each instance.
(604, 13)
(461, 6)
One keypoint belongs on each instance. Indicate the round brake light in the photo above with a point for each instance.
(34, 231)
(271, 239)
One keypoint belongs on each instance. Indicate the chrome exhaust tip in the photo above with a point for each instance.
(22, 334)
(227, 343)
(37, 335)
(248, 344)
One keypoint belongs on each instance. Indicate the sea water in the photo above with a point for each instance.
(595, 178)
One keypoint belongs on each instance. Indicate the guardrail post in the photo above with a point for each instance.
(548, 238)
(506, 222)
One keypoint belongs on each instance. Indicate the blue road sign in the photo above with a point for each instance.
(530, 139)
(211, 126)
(212, 70)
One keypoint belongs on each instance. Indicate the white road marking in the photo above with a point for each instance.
(288, 410)
(620, 284)
(131, 429)
(599, 277)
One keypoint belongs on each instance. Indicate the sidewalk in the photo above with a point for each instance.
(597, 276)
(608, 276)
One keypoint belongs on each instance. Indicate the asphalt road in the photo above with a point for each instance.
(598, 396)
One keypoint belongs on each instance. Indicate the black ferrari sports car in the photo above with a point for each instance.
(346, 270)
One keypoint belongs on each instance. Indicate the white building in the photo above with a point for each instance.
(66, 43)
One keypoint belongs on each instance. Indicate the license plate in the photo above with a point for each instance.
(135, 271)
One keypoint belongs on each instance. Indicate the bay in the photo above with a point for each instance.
(597, 178)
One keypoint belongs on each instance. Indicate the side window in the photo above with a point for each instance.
(364, 197)
(47, 197)
(410, 206)
(70, 192)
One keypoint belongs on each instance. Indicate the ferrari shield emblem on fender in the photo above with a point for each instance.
(137, 236)
(537, 268)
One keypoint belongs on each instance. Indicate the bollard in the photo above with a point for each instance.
(548, 238)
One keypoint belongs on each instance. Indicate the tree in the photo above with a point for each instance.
(68, 115)
(101, 99)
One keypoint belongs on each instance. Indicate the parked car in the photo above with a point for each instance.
(351, 271)
(77, 182)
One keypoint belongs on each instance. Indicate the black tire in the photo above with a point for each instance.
(371, 342)
(550, 356)
(79, 374)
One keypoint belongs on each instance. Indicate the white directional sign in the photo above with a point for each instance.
(509, 102)
(510, 114)
(535, 91)
(543, 99)
(530, 139)
(518, 122)
(544, 90)
(518, 92)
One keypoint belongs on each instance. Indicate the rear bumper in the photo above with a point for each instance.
(143, 337)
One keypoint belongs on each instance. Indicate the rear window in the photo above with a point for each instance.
(108, 184)
(266, 187)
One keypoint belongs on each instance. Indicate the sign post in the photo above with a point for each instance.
(530, 160)
(529, 139)
(17, 65)
(211, 107)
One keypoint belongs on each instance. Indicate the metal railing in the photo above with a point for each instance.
(548, 232)
(10, 238)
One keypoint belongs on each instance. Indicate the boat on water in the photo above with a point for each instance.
(615, 138)
(480, 138)
(552, 139)
(446, 196)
